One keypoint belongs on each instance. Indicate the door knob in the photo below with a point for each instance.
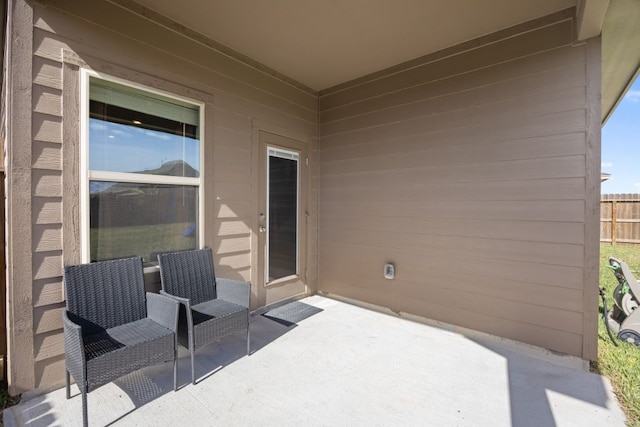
(262, 228)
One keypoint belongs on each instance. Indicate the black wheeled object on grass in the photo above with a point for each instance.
(624, 318)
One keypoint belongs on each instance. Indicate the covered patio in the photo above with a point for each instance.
(324, 362)
(457, 144)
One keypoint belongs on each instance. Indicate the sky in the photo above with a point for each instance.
(127, 148)
(621, 145)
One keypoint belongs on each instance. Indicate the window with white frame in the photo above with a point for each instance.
(142, 160)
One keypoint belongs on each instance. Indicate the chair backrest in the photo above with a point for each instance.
(189, 274)
(106, 293)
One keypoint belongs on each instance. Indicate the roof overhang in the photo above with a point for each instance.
(590, 16)
(620, 52)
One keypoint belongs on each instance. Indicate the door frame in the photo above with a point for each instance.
(265, 294)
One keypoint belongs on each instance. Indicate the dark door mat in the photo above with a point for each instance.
(291, 313)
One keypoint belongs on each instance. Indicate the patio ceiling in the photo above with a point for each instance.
(324, 43)
(321, 44)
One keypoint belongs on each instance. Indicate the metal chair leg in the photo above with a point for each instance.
(193, 368)
(248, 334)
(85, 421)
(175, 371)
(68, 384)
(175, 362)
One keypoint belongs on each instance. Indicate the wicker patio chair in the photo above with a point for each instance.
(213, 307)
(110, 328)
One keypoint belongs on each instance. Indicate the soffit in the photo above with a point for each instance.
(620, 52)
(322, 43)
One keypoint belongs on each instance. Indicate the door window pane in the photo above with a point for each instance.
(283, 216)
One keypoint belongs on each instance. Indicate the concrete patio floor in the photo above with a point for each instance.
(345, 366)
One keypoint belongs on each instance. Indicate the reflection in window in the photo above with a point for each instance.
(144, 169)
(130, 219)
(134, 131)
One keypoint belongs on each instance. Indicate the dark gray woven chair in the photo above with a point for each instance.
(110, 328)
(213, 307)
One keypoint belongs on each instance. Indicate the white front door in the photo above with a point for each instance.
(282, 217)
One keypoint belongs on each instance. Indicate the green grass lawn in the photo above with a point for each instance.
(142, 240)
(621, 364)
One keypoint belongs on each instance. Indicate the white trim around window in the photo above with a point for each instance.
(87, 175)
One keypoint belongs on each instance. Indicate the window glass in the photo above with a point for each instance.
(283, 216)
(130, 131)
(129, 219)
(137, 132)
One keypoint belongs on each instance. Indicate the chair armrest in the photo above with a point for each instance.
(163, 310)
(181, 300)
(187, 306)
(75, 359)
(234, 291)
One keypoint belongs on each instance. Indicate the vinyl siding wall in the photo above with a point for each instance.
(475, 170)
(56, 39)
(472, 170)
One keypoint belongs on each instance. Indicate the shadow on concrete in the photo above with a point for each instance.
(150, 383)
(532, 381)
(40, 413)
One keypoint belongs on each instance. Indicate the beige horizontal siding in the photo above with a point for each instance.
(562, 211)
(48, 345)
(47, 73)
(506, 50)
(47, 183)
(47, 100)
(46, 372)
(497, 130)
(47, 265)
(145, 31)
(442, 144)
(422, 170)
(47, 155)
(47, 291)
(539, 189)
(468, 171)
(464, 115)
(48, 319)
(531, 67)
(467, 317)
(48, 46)
(47, 237)
(47, 210)
(503, 230)
(439, 261)
(233, 245)
(234, 260)
(233, 192)
(109, 39)
(462, 246)
(234, 273)
(225, 208)
(47, 128)
(47, 189)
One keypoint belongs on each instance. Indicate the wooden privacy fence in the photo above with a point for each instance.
(620, 218)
